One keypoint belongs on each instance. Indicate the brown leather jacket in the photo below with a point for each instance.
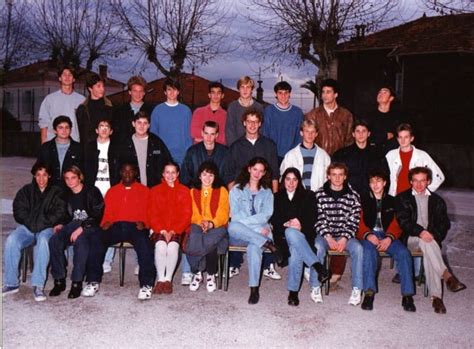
(335, 130)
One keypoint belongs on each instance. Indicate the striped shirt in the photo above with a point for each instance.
(308, 160)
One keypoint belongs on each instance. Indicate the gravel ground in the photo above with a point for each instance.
(116, 319)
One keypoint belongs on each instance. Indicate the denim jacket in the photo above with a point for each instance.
(241, 207)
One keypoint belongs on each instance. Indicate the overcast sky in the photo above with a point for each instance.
(231, 66)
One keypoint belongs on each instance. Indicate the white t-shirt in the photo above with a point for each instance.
(102, 180)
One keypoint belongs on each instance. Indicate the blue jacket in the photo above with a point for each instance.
(241, 207)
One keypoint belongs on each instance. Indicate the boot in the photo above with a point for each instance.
(323, 273)
(254, 295)
(59, 286)
(293, 298)
(75, 291)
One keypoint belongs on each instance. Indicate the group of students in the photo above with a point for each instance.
(283, 192)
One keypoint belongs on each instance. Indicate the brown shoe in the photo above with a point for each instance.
(438, 306)
(158, 288)
(454, 285)
(167, 287)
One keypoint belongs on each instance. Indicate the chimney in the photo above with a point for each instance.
(103, 71)
(260, 91)
(362, 30)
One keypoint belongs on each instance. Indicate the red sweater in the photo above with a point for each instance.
(402, 181)
(394, 231)
(170, 208)
(126, 204)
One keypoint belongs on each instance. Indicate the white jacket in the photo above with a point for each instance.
(321, 162)
(419, 158)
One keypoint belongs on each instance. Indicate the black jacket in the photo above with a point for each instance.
(387, 214)
(360, 162)
(39, 210)
(94, 206)
(91, 163)
(303, 207)
(122, 120)
(407, 215)
(88, 114)
(157, 155)
(48, 154)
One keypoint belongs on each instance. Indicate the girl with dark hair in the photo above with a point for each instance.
(208, 237)
(293, 219)
(251, 205)
(169, 214)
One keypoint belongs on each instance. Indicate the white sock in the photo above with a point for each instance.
(160, 259)
(171, 259)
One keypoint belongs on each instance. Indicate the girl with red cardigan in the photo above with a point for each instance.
(169, 213)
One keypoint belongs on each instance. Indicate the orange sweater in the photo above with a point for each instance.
(170, 208)
(221, 216)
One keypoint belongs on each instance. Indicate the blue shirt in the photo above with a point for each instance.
(172, 125)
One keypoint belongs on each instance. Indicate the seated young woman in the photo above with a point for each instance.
(208, 236)
(293, 219)
(169, 216)
(251, 206)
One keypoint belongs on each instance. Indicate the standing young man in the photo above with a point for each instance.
(146, 150)
(38, 208)
(62, 151)
(125, 220)
(85, 207)
(171, 122)
(62, 102)
(311, 160)
(101, 169)
(124, 114)
(338, 210)
(379, 232)
(423, 217)
(406, 157)
(282, 120)
(211, 112)
(234, 129)
(95, 107)
(334, 122)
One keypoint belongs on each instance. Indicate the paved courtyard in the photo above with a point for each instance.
(114, 318)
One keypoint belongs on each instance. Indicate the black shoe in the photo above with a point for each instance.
(59, 286)
(396, 279)
(254, 295)
(293, 298)
(75, 291)
(277, 256)
(323, 273)
(408, 304)
(368, 302)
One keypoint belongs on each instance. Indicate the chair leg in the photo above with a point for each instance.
(225, 272)
(122, 252)
(24, 265)
(328, 265)
(219, 271)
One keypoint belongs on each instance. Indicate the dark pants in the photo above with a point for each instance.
(128, 232)
(202, 248)
(88, 253)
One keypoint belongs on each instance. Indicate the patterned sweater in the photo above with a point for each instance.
(339, 217)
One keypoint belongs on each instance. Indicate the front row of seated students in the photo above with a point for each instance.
(196, 220)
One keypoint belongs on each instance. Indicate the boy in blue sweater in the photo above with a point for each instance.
(283, 120)
(171, 121)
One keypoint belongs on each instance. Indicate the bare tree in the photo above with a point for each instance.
(75, 31)
(446, 7)
(299, 31)
(14, 33)
(170, 33)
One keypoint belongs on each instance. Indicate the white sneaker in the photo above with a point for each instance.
(211, 283)
(316, 295)
(137, 270)
(145, 293)
(233, 271)
(271, 273)
(196, 282)
(91, 289)
(355, 296)
(107, 267)
(306, 274)
(186, 279)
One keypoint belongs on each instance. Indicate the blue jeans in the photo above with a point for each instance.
(355, 251)
(300, 254)
(19, 239)
(402, 257)
(242, 235)
(88, 253)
